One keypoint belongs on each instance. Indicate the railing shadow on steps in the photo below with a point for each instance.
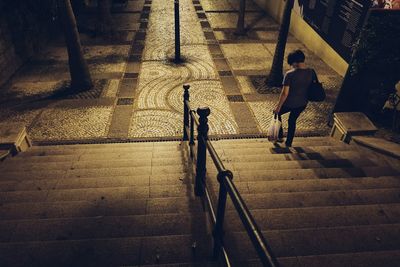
(227, 186)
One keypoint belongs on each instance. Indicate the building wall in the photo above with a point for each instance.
(303, 32)
(24, 27)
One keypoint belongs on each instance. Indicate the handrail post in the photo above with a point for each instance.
(202, 131)
(218, 231)
(185, 111)
(191, 137)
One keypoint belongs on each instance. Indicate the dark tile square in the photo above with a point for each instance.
(143, 25)
(221, 64)
(212, 42)
(137, 48)
(205, 24)
(209, 35)
(225, 73)
(214, 49)
(147, 2)
(125, 101)
(127, 88)
(144, 15)
(201, 15)
(230, 85)
(235, 98)
(198, 8)
(196, 2)
(140, 36)
(217, 56)
(130, 75)
(146, 9)
(135, 58)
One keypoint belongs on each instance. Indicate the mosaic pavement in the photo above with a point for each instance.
(138, 90)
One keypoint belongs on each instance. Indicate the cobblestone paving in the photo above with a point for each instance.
(158, 109)
(225, 73)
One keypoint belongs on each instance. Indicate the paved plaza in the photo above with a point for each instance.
(138, 89)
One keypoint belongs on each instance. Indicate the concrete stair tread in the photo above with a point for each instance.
(100, 227)
(318, 173)
(330, 155)
(93, 164)
(176, 147)
(304, 164)
(32, 183)
(93, 194)
(385, 258)
(94, 188)
(108, 252)
(281, 149)
(318, 217)
(92, 172)
(379, 144)
(175, 164)
(321, 198)
(262, 141)
(101, 207)
(173, 182)
(319, 241)
(306, 185)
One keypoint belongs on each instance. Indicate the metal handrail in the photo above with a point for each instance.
(227, 186)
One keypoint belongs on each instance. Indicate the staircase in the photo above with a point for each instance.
(321, 203)
(102, 205)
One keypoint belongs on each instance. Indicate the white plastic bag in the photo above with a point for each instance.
(273, 129)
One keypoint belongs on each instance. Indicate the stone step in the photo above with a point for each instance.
(99, 172)
(319, 241)
(101, 207)
(277, 186)
(317, 217)
(302, 174)
(304, 164)
(108, 252)
(283, 150)
(384, 258)
(264, 157)
(94, 194)
(146, 156)
(321, 198)
(104, 227)
(266, 144)
(182, 163)
(360, 259)
(103, 149)
(109, 145)
(91, 164)
(308, 140)
(95, 182)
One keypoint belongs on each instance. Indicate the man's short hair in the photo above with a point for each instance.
(296, 56)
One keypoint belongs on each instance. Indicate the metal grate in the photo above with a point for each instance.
(225, 73)
(125, 101)
(235, 98)
(129, 75)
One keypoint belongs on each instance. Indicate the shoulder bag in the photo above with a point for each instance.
(316, 92)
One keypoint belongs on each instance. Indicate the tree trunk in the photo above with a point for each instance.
(276, 74)
(240, 23)
(78, 68)
(104, 20)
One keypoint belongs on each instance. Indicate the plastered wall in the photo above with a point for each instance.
(304, 33)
